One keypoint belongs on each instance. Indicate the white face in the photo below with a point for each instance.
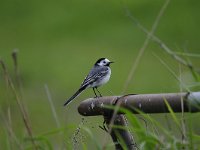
(104, 62)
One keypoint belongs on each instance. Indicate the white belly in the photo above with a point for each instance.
(102, 81)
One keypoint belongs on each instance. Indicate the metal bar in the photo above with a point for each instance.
(115, 133)
(148, 103)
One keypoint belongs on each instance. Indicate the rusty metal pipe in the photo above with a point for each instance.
(148, 103)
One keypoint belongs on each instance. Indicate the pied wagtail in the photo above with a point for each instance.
(98, 75)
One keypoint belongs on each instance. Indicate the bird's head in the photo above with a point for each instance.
(103, 62)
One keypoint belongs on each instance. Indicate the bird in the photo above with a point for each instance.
(98, 76)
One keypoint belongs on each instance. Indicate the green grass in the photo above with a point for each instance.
(55, 38)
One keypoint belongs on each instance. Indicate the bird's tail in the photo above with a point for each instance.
(74, 96)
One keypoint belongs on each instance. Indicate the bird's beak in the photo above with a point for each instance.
(111, 62)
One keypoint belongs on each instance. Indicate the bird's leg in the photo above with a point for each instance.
(98, 92)
(95, 93)
(104, 127)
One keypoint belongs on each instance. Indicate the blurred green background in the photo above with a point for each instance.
(59, 41)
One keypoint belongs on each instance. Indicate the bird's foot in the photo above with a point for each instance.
(98, 96)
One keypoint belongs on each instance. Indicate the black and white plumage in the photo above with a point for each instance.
(98, 75)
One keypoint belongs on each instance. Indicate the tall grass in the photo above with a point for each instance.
(174, 132)
(20, 104)
(147, 131)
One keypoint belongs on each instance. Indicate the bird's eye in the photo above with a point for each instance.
(104, 62)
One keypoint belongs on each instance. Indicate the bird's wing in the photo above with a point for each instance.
(94, 75)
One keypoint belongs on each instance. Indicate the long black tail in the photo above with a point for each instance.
(74, 96)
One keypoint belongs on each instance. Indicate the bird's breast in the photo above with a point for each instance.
(102, 80)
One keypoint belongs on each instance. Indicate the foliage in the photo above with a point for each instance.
(53, 47)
